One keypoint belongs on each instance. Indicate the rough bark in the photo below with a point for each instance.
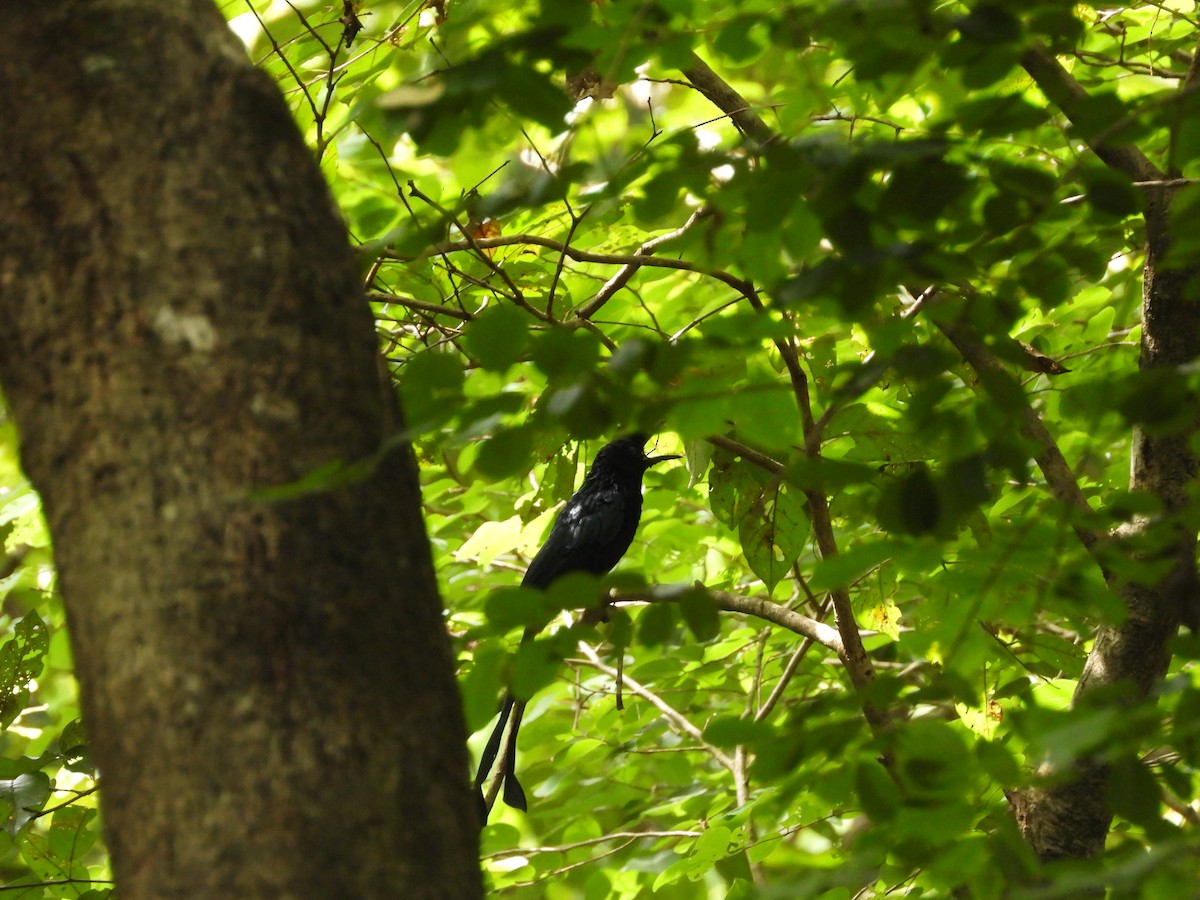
(267, 684)
(1071, 819)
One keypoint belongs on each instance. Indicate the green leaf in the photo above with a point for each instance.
(20, 663)
(538, 663)
(565, 353)
(479, 687)
(844, 569)
(997, 760)
(491, 539)
(511, 607)
(1111, 194)
(1135, 795)
(773, 533)
(738, 40)
(910, 504)
(876, 791)
(729, 731)
(771, 517)
(656, 624)
(431, 385)
(932, 761)
(990, 24)
(22, 798)
(505, 454)
(74, 830)
(497, 337)
(700, 614)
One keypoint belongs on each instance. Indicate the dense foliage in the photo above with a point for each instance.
(845, 298)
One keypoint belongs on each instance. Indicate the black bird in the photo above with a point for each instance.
(591, 534)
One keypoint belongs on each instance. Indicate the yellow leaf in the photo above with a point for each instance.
(490, 540)
(981, 721)
(885, 619)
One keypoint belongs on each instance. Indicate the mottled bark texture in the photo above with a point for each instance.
(1071, 819)
(267, 685)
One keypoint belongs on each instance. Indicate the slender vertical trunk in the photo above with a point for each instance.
(1071, 819)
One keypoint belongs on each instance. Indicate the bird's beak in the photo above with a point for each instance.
(651, 460)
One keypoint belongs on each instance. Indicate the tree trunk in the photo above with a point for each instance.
(1072, 818)
(267, 682)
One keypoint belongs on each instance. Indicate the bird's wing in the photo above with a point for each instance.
(582, 537)
(596, 519)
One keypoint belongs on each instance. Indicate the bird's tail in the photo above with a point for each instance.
(514, 796)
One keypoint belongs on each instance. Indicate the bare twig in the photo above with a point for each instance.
(789, 670)
(796, 658)
(286, 62)
(419, 305)
(478, 247)
(35, 885)
(672, 715)
(554, 873)
(591, 842)
(759, 607)
(613, 259)
(619, 280)
(53, 809)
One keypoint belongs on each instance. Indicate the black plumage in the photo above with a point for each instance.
(591, 534)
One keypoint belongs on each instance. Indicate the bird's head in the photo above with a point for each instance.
(628, 454)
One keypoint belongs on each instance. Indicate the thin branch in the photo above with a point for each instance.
(53, 809)
(554, 873)
(587, 309)
(699, 320)
(312, 105)
(613, 259)
(854, 118)
(757, 457)
(797, 657)
(478, 247)
(854, 655)
(575, 220)
(419, 305)
(729, 101)
(1101, 61)
(332, 77)
(672, 715)
(312, 31)
(590, 842)
(34, 885)
(799, 380)
(759, 607)
(1193, 70)
(1061, 88)
(785, 678)
(562, 259)
(1054, 467)
(1181, 808)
